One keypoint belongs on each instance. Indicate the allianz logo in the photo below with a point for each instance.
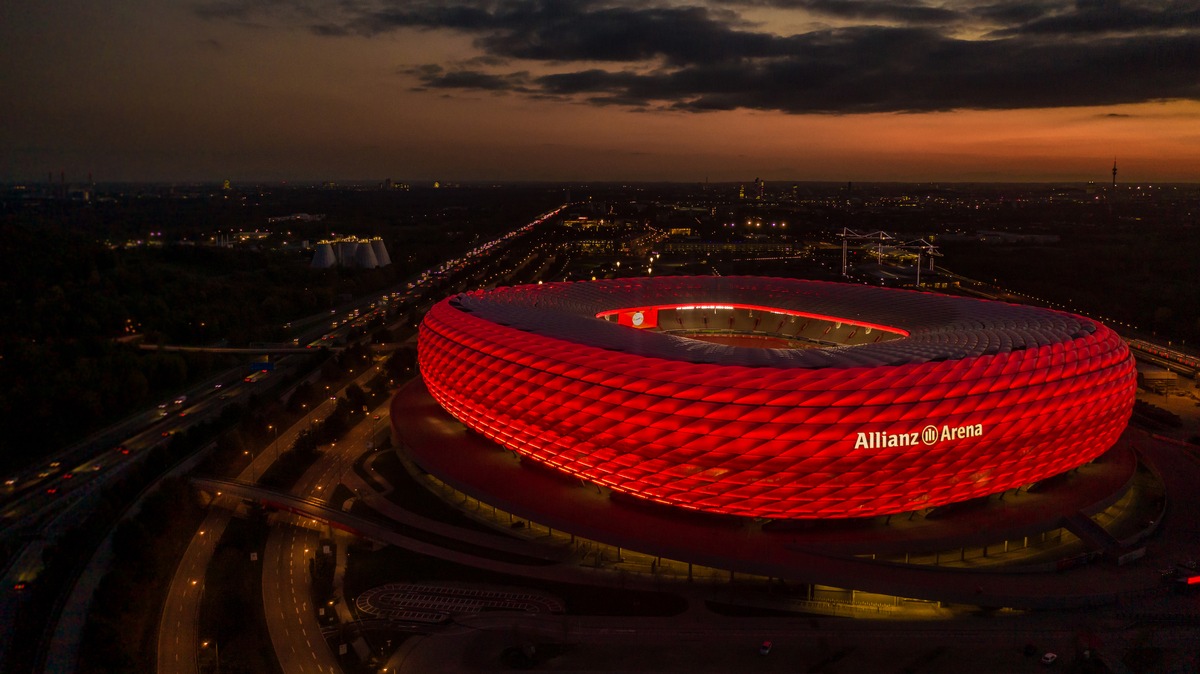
(930, 435)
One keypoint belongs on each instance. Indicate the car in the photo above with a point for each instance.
(123, 449)
(765, 648)
(1049, 659)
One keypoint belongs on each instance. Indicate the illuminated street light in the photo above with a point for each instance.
(216, 652)
(275, 442)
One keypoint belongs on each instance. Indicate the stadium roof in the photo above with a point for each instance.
(939, 327)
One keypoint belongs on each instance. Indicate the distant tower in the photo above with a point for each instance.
(1114, 173)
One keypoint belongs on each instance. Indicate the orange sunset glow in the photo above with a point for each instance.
(522, 90)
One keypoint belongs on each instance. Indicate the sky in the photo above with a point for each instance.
(583, 90)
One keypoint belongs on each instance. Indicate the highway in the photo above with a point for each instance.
(39, 494)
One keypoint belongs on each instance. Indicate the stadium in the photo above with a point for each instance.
(775, 398)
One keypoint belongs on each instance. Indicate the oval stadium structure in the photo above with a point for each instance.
(779, 398)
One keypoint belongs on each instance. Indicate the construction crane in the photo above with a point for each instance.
(848, 234)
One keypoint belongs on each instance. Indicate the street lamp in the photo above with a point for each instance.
(275, 442)
(216, 652)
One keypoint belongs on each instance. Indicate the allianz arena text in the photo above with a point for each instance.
(779, 398)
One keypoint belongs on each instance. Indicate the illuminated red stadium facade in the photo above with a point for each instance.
(857, 401)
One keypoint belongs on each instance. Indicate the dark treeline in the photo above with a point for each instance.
(1139, 274)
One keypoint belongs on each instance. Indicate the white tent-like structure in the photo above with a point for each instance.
(351, 252)
(346, 248)
(325, 257)
(381, 252)
(364, 257)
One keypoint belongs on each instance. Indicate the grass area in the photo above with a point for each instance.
(366, 569)
(233, 588)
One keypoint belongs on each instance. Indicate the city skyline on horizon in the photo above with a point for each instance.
(52, 179)
(591, 91)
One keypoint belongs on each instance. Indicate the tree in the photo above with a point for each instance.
(355, 397)
(305, 443)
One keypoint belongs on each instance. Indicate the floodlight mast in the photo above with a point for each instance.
(848, 234)
(921, 245)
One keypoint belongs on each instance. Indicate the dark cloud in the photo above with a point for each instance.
(1096, 17)
(473, 79)
(485, 60)
(245, 10)
(1040, 53)
(328, 30)
(566, 30)
(874, 10)
(1012, 13)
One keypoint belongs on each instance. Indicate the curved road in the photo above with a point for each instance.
(178, 631)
